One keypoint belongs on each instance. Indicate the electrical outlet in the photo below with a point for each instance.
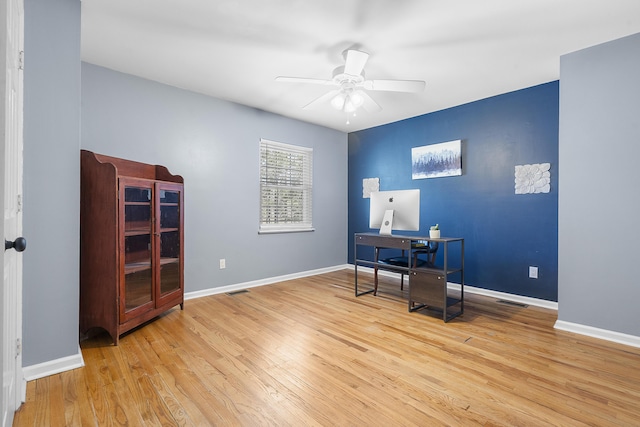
(223, 263)
(533, 272)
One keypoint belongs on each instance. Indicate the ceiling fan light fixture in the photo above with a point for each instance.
(349, 107)
(338, 101)
(356, 98)
(347, 101)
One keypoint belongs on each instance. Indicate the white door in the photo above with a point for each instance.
(11, 54)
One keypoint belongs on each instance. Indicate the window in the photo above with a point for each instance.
(285, 187)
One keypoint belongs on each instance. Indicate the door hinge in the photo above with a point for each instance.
(21, 60)
(18, 347)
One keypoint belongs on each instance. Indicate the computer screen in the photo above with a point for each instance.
(404, 206)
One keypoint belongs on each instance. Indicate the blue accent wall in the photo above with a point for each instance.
(504, 232)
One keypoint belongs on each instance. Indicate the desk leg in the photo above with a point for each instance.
(355, 265)
(355, 273)
(375, 270)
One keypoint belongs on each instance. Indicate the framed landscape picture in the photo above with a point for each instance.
(437, 160)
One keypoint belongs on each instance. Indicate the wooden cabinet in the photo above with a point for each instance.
(131, 243)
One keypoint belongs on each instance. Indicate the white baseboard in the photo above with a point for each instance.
(480, 291)
(261, 282)
(52, 367)
(537, 302)
(75, 361)
(68, 363)
(604, 334)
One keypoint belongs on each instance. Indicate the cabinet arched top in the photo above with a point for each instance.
(130, 168)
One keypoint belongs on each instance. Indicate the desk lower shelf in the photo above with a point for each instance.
(383, 265)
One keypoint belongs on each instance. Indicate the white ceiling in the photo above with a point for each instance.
(465, 50)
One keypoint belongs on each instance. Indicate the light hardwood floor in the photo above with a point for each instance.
(307, 352)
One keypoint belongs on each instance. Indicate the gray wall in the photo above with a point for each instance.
(599, 204)
(51, 179)
(213, 144)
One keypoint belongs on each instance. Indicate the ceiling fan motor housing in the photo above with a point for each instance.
(341, 78)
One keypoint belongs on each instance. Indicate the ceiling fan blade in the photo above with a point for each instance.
(324, 99)
(369, 105)
(394, 85)
(354, 62)
(286, 79)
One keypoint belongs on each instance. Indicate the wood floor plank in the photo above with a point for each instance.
(308, 352)
(95, 386)
(154, 404)
(56, 401)
(177, 411)
(79, 405)
(168, 385)
(72, 399)
(42, 414)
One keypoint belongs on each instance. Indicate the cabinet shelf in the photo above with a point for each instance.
(169, 230)
(137, 232)
(134, 267)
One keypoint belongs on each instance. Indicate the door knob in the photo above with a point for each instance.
(20, 244)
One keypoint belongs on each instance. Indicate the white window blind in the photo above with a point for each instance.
(285, 187)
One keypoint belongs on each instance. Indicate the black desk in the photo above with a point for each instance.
(427, 285)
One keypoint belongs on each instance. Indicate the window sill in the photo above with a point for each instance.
(286, 230)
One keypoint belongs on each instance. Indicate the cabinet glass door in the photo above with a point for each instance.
(170, 215)
(138, 229)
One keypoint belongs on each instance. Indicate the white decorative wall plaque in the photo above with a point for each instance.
(531, 179)
(370, 185)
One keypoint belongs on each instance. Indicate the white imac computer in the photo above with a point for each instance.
(395, 210)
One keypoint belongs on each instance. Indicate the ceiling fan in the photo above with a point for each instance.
(351, 85)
